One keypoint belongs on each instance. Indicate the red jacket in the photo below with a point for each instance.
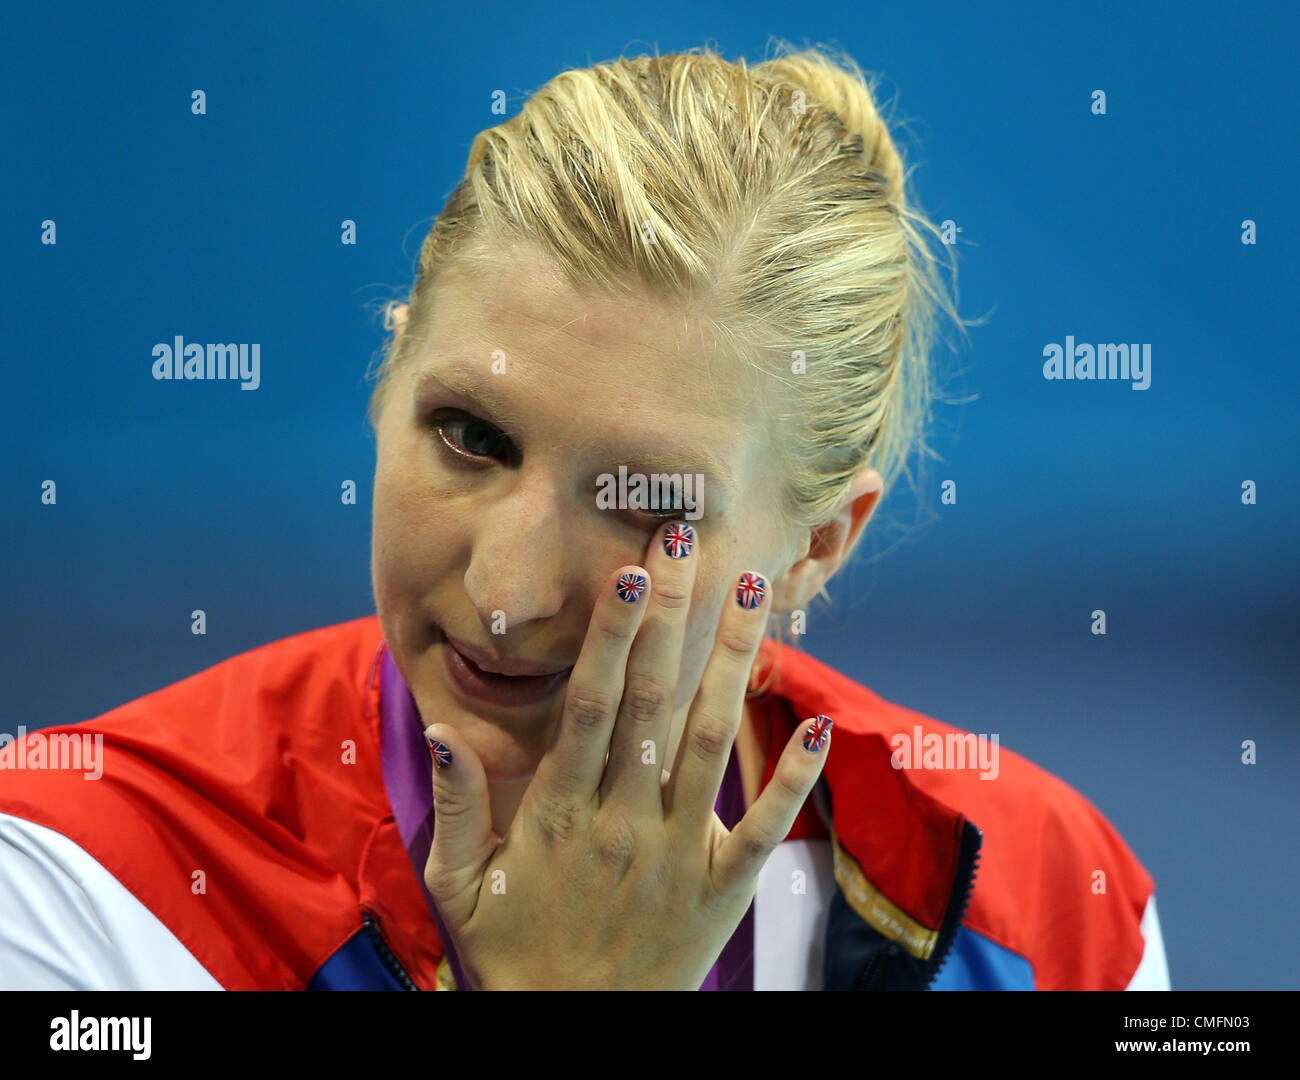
(245, 807)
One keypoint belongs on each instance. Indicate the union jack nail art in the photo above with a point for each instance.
(630, 587)
(441, 755)
(750, 591)
(815, 737)
(678, 540)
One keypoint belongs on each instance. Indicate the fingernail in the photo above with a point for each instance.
(441, 755)
(751, 590)
(630, 587)
(818, 731)
(679, 538)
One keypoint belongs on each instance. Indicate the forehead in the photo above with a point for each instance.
(523, 301)
(620, 371)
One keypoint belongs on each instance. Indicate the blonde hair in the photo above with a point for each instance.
(772, 195)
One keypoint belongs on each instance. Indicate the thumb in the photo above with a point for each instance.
(463, 839)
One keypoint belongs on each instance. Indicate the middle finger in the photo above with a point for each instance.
(637, 747)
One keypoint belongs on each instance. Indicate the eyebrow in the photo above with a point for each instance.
(474, 391)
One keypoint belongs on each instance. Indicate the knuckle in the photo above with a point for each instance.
(437, 880)
(556, 819)
(452, 805)
(588, 707)
(736, 642)
(446, 884)
(619, 630)
(434, 883)
(672, 595)
(644, 696)
(788, 784)
(615, 842)
(709, 739)
(755, 847)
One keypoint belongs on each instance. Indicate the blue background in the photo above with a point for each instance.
(1071, 496)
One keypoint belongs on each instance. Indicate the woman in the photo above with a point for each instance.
(665, 352)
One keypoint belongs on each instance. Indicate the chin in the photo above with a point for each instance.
(508, 742)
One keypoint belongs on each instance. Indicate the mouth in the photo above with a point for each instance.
(528, 683)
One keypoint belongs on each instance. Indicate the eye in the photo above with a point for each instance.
(639, 515)
(668, 514)
(468, 437)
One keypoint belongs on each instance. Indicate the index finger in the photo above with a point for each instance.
(572, 767)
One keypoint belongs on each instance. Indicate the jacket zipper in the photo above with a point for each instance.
(869, 972)
(370, 923)
(967, 867)
(964, 879)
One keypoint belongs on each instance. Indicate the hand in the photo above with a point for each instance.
(614, 874)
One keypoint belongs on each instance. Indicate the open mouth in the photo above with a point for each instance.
(509, 690)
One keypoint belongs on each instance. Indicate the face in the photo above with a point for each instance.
(491, 447)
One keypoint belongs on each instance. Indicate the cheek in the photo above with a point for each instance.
(409, 540)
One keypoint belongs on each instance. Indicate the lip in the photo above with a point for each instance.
(506, 690)
(495, 666)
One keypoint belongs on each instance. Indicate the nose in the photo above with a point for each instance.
(517, 569)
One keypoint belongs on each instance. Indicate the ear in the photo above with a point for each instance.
(825, 547)
(397, 318)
